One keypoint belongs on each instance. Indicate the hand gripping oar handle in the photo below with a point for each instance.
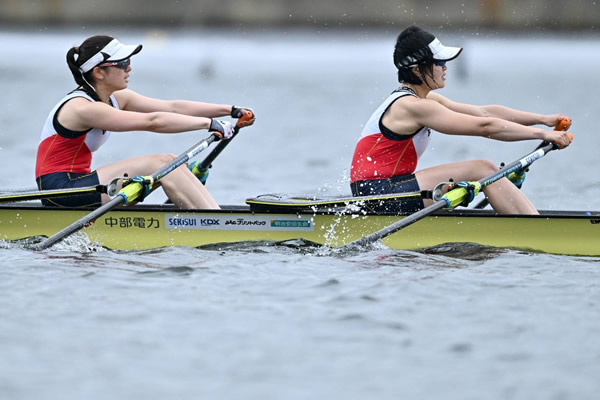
(206, 163)
(127, 194)
(563, 125)
(456, 197)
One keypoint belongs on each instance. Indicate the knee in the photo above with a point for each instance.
(165, 158)
(484, 167)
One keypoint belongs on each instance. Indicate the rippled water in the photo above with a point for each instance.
(290, 320)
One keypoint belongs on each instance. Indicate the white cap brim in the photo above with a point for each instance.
(113, 51)
(443, 53)
(124, 51)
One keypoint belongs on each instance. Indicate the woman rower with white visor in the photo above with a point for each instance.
(398, 132)
(82, 121)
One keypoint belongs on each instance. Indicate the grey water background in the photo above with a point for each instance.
(255, 321)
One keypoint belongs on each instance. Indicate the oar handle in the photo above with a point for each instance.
(244, 118)
(206, 163)
(563, 125)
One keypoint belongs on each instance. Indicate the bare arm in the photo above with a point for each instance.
(497, 111)
(80, 114)
(426, 112)
(132, 101)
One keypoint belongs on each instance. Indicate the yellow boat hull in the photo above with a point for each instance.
(145, 227)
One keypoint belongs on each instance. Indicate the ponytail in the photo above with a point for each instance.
(84, 52)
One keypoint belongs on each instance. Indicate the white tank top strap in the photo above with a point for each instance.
(95, 137)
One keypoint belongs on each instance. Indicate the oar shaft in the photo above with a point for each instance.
(80, 224)
(126, 195)
(206, 163)
(217, 150)
(451, 200)
(183, 158)
(517, 165)
(403, 223)
(27, 195)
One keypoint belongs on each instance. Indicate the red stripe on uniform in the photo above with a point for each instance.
(377, 157)
(59, 154)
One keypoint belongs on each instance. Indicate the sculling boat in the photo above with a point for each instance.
(328, 221)
(334, 221)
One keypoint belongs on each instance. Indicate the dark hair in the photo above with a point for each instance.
(84, 52)
(412, 48)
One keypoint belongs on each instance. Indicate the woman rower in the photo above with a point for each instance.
(82, 121)
(398, 132)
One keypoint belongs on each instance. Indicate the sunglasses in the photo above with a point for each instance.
(439, 63)
(123, 64)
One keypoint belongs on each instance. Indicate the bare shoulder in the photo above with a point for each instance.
(124, 96)
(403, 117)
(412, 106)
(404, 104)
(77, 105)
(439, 98)
(77, 113)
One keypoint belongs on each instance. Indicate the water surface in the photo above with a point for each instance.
(290, 320)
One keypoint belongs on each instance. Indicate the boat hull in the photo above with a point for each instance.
(144, 227)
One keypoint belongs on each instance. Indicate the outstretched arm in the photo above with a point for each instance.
(497, 111)
(426, 112)
(81, 114)
(132, 101)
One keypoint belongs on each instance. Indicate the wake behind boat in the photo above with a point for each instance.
(329, 221)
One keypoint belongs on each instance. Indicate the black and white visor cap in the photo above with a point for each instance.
(443, 53)
(440, 53)
(113, 51)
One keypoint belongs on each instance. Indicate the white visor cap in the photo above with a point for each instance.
(113, 51)
(443, 53)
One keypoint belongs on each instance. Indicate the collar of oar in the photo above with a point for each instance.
(146, 183)
(452, 197)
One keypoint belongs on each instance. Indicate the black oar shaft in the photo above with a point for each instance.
(395, 227)
(221, 146)
(206, 163)
(217, 150)
(80, 224)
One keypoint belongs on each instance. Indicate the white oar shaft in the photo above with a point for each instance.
(122, 198)
(516, 165)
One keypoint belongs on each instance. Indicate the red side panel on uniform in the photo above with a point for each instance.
(392, 158)
(59, 154)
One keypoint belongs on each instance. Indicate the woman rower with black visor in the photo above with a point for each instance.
(82, 121)
(398, 132)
